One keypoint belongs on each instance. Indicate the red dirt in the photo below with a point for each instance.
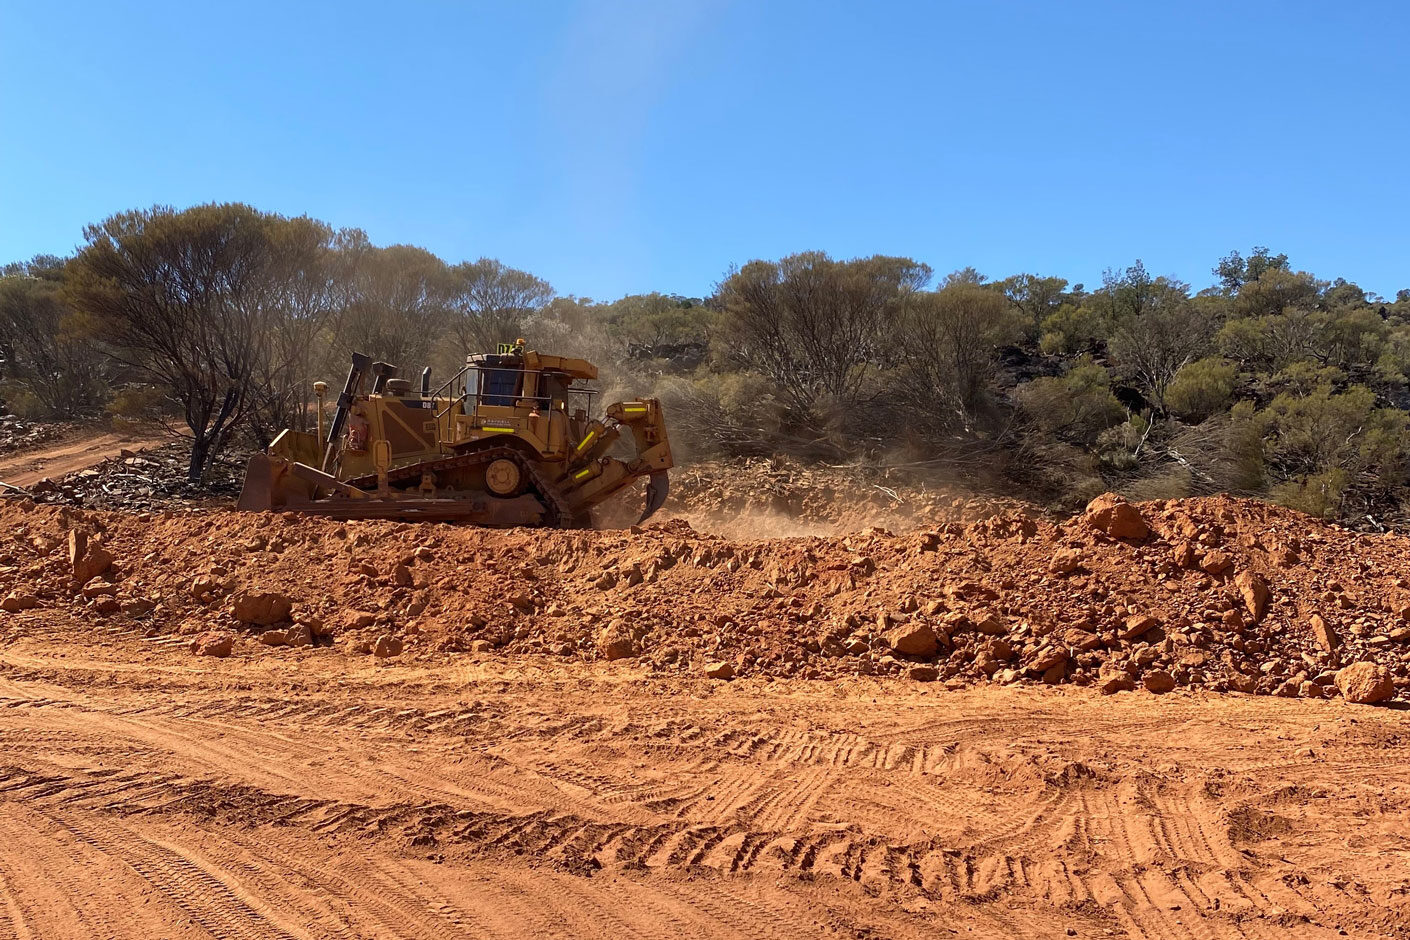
(530, 787)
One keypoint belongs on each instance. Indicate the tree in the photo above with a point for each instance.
(1234, 271)
(1036, 298)
(398, 306)
(185, 299)
(816, 327)
(1202, 388)
(1154, 345)
(493, 303)
(947, 341)
(42, 351)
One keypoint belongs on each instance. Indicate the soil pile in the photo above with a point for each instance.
(1217, 593)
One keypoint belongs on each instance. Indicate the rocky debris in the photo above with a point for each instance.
(146, 480)
(1116, 517)
(213, 643)
(976, 603)
(1365, 683)
(17, 435)
(261, 608)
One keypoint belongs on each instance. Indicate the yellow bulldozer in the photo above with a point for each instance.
(507, 441)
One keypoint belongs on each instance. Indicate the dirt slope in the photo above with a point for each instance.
(145, 792)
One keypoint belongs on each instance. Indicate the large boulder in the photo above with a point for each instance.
(213, 643)
(262, 608)
(615, 641)
(913, 639)
(1116, 517)
(1365, 683)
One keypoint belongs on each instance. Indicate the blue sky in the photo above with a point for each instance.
(619, 147)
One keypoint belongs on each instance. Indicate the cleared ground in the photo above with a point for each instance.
(74, 452)
(306, 793)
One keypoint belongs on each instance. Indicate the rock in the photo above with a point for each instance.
(913, 639)
(1047, 658)
(991, 624)
(1138, 626)
(1112, 680)
(1255, 593)
(300, 634)
(1322, 631)
(1111, 514)
(1082, 640)
(1288, 688)
(386, 645)
(401, 576)
(262, 608)
(1065, 561)
(606, 582)
(97, 560)
(1365, 683)
(522, 602)
(923, 673)
(1055, 673)
(358, 620)
(78, 547)
(615, 642)
(481, 646)
(999, 649)
(1242, 683)
(213, 643)
(16, 601)
(1158, 681)
(274, 637)
(202, 586)
(1216, 563)
(719, 670)
(107, 605)
(1184, 554)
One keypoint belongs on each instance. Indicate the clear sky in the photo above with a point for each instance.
(619, 147)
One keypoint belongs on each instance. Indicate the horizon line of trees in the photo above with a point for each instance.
(1271, 381)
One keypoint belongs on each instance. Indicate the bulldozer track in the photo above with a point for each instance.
(559, 515)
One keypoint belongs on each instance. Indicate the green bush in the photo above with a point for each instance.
(1202, 388)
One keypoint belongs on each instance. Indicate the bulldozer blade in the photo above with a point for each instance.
(656, 489)
(257, 495)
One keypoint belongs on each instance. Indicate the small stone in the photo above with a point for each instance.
(1138, 626)
(1158, 681)
(1047, 658)
(923, 673)
(1184, 554)
(1323, 632)
(401, 576)
(719, 670)
(1365, 683)
(1255, 593)
(1216, 563)
(213, 643)
(97, 560)
(300, 634)
(16, 601)
(481, 646)
(273, 638)
(386, 645)
(1065, 561)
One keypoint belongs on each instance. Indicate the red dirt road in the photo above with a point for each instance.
(308, 793)
(71, 454)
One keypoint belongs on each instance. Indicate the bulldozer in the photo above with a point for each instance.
(506, 441)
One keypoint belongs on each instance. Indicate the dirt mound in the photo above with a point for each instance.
(1222, 594)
